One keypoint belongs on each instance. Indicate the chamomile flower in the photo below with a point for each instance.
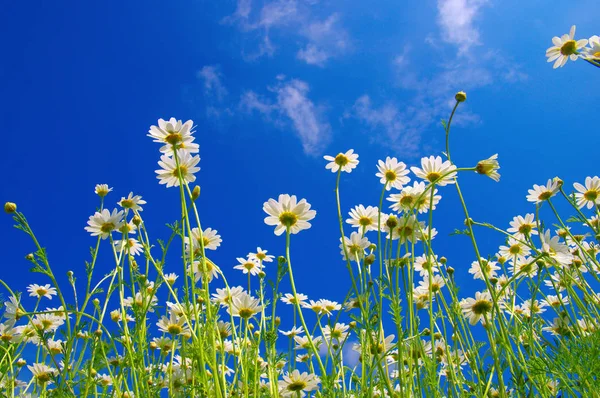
(514, 248)
(338, 332)
(248, 266)
(565, 48)
(244, 306)
(102, 190)
(414, 198)
(425, 265)
(104, 223)
(345, 161)
(174, 133)
(292, 333)
(131, 246)
(593, 51)
(488, 167)
(261, 256)
(476, 309)
(392, 173)
(41, 291)
(42, 373)
(435, 171)
(483, 266)
(212, 270)
(209, 238)
(355, 246)
(588, 195)
(364, 218)
(173, 325)
(170, 172)
(132, 202)
(556, 249)
(287, 213)
(297, 383)
(522, 227)
(541, 193)
(225, 296)
(291, 300)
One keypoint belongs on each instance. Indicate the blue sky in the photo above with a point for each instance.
(272, 87)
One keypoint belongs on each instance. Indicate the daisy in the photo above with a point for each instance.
(488, 167)
(132, 202)
(435, 171)
(588, 195)
(524, 266)
(345, 161)
(425, 266)
(489, 268)
(41, 291)
(248, 265)
(414, 198)
(329, 306)
(42, 373)
(225, 297)
(407, 229)
(565, 47)
(338, 332)
(437, 283)
(290, 299)
(297, 383)
(174, 133)
(364, 218)
(209, 238)
(522, 227)
(169, 173)
(514, 249)
(104, 222)
(244, 306)
(555, 249)
(261, 256)
(211, 269)
(475, 309)
(541, 193)
(355, 246)
(171, 278)
(102, 190)
(8, 333)
(288, 213)
(392, 173)
(555, 301)
(593, 52)
(295, 331)
(303, 342)
(173, 324)
(131, 246)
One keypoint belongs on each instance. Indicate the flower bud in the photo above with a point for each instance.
(450, 270)
(461, 96)
(153, 345)
(96, 302)
(30, 257)
(196, 192)
(558, 181)
(352, 324)
(10, 207)
(443, 260)
(21, 362)
(98, 332)
(256, 334)
(136, 220)
(370, 259)
(250, 326)
(277, 321)
(426, 332)
(281, 260)
(261, 274)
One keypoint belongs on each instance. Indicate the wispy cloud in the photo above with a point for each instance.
(321, 39)
(214, 91)
(292, 106)
(457, 21)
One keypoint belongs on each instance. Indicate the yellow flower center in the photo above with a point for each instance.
(174, 328)
(341, 160)
(297, 385)
(482, 307)
(406, 201)
(245, 313)
(569, 47)
(181, 170)
(364, 221)
(173, 138)
(288, 219)
(591, 195)
(41, 291)
(525, 229)
(107, 227)
(545, 195)
(390, 176)
(127, 203)
(433, 176)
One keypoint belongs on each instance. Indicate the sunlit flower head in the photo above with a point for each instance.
(541, 193)
(593, 51)
(478, 308)
(345, 161)
(42, 374)
(102, 190)
(248, 266)
(132, 202)
(414, 198)
(209, 238)
(565, 48)
(244, 306)
(483, 267)
(170, 172)
(287, 212)
(173, 325)
(588, 195)
(290, 299)
(489, 167)
(296, 383)
(434, 170)
(174, 133)
(41, 291)
(522, 227)
(104, 223)
(355, 246)
(392, 173)
(130, 246)
(364, 218)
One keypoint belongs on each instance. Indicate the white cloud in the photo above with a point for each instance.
(456, 18)
(313, 55)
(325, 39)
(212, 76)
(291, 105)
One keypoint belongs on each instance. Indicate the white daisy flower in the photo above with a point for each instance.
(209, 238)
(42, 373)
(424, 266)
(588, 195)
(338, 332)
(261, 256)
(41, 291)
(514, 249)
(104, 222)
(392, 173)
(488, 167)
(248, 265)
(244, 306)
(522, 227)
(541, 193)
(169, 173)
(556, 249)
(224, 297)
(292, 333)
(593, 52)
(486, 267)
(174, 133)
(287, 212)
(297, 383)
(131, 246)
(355, 246)
(435, 171)
(565, 48)
(346, 161)
(414, 198)
(361, 217)
(173, 324)
(132, 202)
(291, 300)
(476, 309)
(102, 190)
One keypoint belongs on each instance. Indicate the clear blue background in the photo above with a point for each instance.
(81, 83)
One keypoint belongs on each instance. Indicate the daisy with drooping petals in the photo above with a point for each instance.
(102, 190)
(176, 134)
(392, 173)
(41, 291)
(556, 249)
(541, 193)
(244, 306)
(297, 383)
(104, 223)
(364, 218)
(356, 246)
(290, 299)
(565, 48)
(435, 171)
(42, 373)
(488, 167)
(132, 202)
(169, 174)
(345, 161)
(588, 195)
(288, 213)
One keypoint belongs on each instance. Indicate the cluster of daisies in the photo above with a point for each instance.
(567, 48)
